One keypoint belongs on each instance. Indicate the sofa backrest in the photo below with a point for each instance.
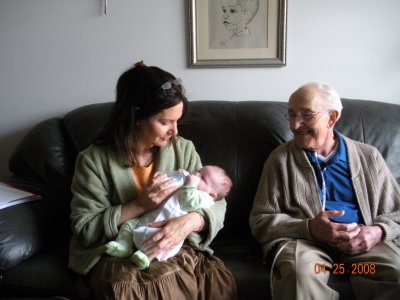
(236, 135)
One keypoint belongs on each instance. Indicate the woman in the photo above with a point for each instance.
(113, 182)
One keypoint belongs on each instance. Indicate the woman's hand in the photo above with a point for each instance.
(172, 232)
(149, 199)
(157, 192)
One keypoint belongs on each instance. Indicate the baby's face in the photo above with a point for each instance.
(209, 179)
(234, 17)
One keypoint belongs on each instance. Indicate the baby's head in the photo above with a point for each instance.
(214, 181)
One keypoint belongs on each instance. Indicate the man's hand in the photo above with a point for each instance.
(324, 230)
(363, 242)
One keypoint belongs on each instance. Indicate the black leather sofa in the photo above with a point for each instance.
(238, 136)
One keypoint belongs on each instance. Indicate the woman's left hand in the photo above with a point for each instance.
(172, 232)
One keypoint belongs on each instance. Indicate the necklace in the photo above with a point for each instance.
(147, 161)
(143, 163)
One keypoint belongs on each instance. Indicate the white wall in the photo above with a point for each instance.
(56, 55)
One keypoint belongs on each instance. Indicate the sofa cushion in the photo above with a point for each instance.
(84, 123)
(45, 156)
(238, 136)
(21, 233)
(245, 260)
(375, 123)
(43, 275)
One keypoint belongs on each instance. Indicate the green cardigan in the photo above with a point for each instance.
(287, 196)
(102, 182)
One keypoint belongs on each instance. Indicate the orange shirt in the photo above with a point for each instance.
(143, 175)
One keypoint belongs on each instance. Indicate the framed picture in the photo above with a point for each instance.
(237, 33)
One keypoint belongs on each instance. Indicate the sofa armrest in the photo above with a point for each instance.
(21, 233)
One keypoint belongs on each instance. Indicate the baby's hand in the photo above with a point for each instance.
(193, 179)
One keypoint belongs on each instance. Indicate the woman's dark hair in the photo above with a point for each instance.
(139, 96)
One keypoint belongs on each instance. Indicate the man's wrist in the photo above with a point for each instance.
(380, 234)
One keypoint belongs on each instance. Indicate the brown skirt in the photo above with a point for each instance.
(188, 275)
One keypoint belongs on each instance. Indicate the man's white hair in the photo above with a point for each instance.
(329, 98)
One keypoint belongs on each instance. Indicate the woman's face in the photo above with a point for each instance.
(159, 128)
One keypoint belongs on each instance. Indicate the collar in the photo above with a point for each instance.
(340, 155)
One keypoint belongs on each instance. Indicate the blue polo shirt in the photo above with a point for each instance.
(339, 189)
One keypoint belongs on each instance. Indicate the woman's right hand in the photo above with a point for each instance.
(149, 199)
(156, 192)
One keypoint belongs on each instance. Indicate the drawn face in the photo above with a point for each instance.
(234, 17)
(159, 128)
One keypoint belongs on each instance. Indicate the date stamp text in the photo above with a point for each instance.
(342, 269)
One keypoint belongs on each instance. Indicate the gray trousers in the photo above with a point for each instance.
(302, 270)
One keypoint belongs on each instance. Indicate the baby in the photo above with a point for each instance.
(197, 190)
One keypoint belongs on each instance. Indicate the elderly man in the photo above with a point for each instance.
(327, 205)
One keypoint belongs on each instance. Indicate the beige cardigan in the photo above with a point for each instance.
(287, 196)
(103, 182)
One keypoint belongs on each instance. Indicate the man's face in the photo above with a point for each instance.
(311, 123)
(234, 17)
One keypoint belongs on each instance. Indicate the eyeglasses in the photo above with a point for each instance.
(303, 115)
(168, 84)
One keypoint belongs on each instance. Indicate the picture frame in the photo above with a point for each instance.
(215, 41)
